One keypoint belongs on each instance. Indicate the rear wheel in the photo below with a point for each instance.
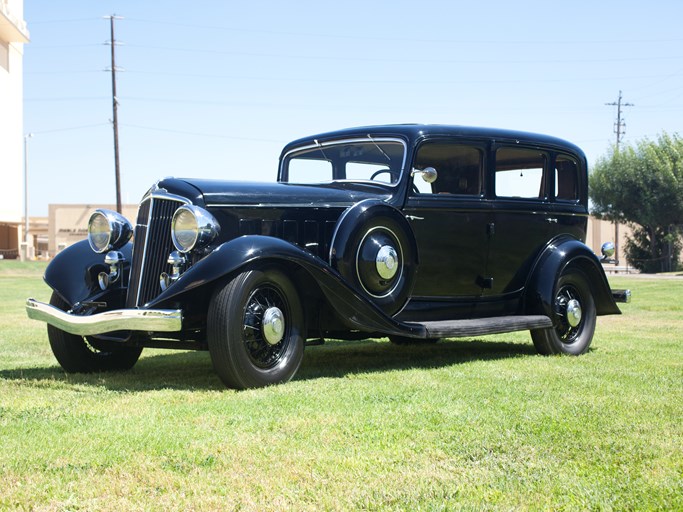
(77, 354)
(255, 330)
(573, 317)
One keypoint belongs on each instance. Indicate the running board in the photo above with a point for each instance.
(481, 326)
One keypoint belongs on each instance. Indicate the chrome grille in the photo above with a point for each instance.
(153, 244)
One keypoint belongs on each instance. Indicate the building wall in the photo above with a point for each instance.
(601, 231)
(13, 35)
(68, 223)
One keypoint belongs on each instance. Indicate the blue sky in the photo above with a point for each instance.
(215, 88)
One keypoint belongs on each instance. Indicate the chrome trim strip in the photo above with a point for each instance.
(344, 204)
(158, 320)
(144, 250)
(162, 193)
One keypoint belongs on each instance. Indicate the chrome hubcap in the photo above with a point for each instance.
(573, 312)
(386, 262)
(273, 326)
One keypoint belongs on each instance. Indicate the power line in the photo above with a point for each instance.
(385, 38)
(68, 128)
(402, 60)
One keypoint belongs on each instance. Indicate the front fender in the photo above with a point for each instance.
(72, 273)
(563, 251)
(236, 254)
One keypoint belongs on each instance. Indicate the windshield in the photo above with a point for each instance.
(371, 159)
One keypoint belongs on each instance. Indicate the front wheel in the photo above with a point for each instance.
(255, 330)
(573, 317)
(77, 354)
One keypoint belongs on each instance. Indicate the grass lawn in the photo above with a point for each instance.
(463, 424)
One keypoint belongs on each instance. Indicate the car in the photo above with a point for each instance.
(408, 232)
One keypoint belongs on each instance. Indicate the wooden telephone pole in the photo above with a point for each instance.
(115, 103)
(619, 126)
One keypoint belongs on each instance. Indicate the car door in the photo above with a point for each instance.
(449, 220)
(522, 219)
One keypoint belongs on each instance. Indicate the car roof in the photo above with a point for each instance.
(413, 132)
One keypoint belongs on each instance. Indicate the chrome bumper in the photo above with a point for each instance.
(621, 295)
(157, 320)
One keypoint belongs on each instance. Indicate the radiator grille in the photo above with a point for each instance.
(153, 244)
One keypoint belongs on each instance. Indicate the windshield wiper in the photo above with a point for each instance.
(379, 148)
(320, 147)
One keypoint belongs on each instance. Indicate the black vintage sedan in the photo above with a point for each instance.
(411, 232)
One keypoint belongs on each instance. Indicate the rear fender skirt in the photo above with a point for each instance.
(558, 254)
(72, 273)
(358, 312)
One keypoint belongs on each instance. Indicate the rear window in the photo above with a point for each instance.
(566, 179)
(520, 173)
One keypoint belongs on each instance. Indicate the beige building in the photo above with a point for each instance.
(13, 36)
(68, 223)
(601, 231)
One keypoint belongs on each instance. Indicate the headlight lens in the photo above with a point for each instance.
(193, 228)
(108, 230)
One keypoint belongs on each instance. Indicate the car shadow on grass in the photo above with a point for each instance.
(335, 359)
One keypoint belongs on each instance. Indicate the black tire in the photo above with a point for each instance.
(240, 351)
(405, 340)
(77, 354)
(565, 338)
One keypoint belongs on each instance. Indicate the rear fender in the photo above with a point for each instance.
(72, 273)
(233, 256)
(564, 251)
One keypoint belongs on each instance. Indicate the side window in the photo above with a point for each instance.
(458, 166)
(566, 179)
(520, 173)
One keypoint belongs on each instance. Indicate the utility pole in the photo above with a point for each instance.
(619, 127)
(115, 103)
(26, 223)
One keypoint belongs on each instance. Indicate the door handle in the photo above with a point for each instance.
(552, 220)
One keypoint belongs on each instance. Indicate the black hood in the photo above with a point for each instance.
(244, 193)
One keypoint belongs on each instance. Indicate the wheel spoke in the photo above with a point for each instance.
(261, 353)
(566, 332)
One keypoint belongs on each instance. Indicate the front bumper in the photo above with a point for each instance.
(155, 320)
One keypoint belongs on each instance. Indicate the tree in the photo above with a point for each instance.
(642, 185)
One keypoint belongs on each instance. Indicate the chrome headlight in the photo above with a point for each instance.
(193, 227)
(108, 230)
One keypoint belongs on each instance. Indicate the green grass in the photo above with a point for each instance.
(464, 424)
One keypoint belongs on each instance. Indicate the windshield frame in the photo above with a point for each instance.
(315, 144)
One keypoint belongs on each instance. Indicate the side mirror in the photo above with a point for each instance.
(429, 174)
